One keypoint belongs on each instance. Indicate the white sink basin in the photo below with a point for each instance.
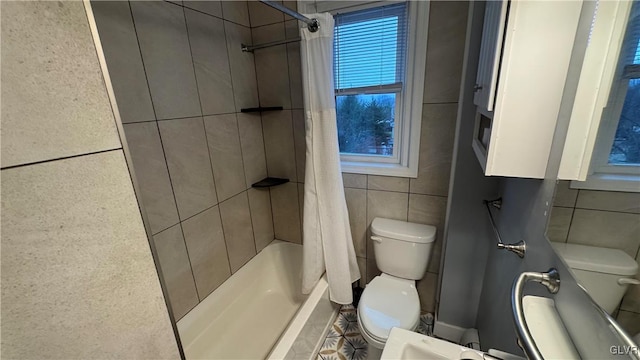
(405, 345)
(547, 329)
(543, 321)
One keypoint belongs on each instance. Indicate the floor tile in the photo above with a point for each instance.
(345, 342)
(348, 322)
(355, 348)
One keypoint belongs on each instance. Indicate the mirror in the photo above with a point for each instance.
(594, 225)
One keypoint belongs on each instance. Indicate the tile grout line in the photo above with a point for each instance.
(247, 186)
(184, 238)
(366, 234)
(286, 55)
(264, 142)
(400, 192)
(293, 132)
(575, 201)
(202, 116)
(602, 210)
(244, 174)
(295, 172)
(408, 204)
(9, 167)
(164, 285)
(206, 137)
(264, 145)
(205, 13)
(187, 218)
(163, 150)
(566, 238)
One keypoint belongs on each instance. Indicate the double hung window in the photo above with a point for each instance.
(616, 160)
(377, 104)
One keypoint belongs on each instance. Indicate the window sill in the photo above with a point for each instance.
(609, 182)
(368, 168)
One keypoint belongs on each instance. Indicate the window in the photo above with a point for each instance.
(377, 54)
(616, 161)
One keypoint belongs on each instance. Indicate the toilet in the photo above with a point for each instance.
(402, 252)
(605, 273)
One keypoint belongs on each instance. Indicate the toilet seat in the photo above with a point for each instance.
(388, 302)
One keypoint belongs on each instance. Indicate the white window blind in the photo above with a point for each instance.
(625, 102)
(630, 51)
(370, 49)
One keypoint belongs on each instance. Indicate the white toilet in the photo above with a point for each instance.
(402, 252)
(605, 273)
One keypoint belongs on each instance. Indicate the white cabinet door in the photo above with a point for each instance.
(535, 55)
(490, 54)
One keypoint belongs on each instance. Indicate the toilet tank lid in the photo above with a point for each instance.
(597, 259)
(402, 230)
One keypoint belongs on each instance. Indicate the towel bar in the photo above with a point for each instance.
(518, 248)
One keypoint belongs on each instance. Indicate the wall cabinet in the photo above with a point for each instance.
(525, 54)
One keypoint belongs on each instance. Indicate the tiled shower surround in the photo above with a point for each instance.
(78, 277)
(605, 219)
(181, 79)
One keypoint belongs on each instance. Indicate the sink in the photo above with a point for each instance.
(547, 329)
(543, 321)
(404, 344)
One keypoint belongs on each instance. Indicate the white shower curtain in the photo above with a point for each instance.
(327, 243)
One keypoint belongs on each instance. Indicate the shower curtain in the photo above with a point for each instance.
(327, 243)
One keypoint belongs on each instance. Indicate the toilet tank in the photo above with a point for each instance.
(401, 248)
(605, 273)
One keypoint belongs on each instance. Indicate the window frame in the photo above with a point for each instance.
(408, 121)
(603, 175)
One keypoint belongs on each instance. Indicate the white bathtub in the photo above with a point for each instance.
(260, 312)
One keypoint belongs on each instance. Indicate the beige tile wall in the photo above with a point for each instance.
(279, 81)
(194, 153)
(78, 278)
(421, 200)
(606, 219)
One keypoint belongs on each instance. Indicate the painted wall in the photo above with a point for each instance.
(468, 235)
(78, 277)
(181, 79)
(421, 200)
(605, 219)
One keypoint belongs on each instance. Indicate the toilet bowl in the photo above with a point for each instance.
(402, 252)
(390, 302)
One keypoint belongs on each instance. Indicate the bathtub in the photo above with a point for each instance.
(260, 312)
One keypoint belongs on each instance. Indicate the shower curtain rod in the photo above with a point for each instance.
(250, 48)
(312, 25)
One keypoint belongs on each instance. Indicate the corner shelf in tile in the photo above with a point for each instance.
(262, 108)
(269, 182)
